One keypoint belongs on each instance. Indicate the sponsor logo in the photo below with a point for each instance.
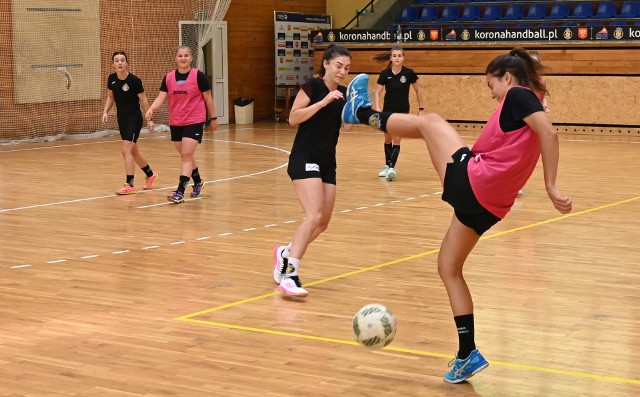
(603, 34)
(309, 167)
(176, 92)
(451, 36)
(434, 34)
(583, 33)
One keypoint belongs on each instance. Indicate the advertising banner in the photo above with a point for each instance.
(468, 34)
(293, 52)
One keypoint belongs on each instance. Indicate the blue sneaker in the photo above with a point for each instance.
(197, 189)
(465, 369)
(357, 97)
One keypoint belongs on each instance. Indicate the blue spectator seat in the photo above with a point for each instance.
(500, 25)
(592, 24)
(523, 25)
(618, 23)
(559, 11)
(582, 10)
(569, 24)
(546, 25)
(409, 14)
(536, 11)
(449, 13)
(630, 9)
(429, 13)
(514, 12)
(492, 12)
(470, 13)
(606, 9)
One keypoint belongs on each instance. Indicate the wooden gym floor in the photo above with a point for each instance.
(106, 295)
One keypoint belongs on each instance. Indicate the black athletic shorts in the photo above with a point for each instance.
(193, 131)
(458, 193)
(299, 168)
(130, 127)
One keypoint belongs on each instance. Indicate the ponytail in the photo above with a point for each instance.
(518, 62)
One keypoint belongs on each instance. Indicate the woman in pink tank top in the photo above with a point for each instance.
(481, 183)
(189, 94)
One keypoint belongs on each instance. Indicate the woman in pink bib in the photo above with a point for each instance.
(481, 183)
(189, 94)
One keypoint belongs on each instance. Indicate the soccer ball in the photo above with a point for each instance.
(374, 326)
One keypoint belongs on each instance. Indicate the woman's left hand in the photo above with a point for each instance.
(213, 125)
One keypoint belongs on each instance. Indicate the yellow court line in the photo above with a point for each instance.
(415, 352)
(189, 317)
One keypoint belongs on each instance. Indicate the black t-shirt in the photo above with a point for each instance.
(317, 137)
(396, 97)
(203, 83)
(519, 103)
(125, 93)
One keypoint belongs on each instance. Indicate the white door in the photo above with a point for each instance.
(216, 65)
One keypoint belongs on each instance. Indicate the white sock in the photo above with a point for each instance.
(287, 252)
(295, 264)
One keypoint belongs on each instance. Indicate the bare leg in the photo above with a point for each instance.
(138, 157)
(186, 148)
(317, 200)
(455, 248)
(441, 138)
(127, 155)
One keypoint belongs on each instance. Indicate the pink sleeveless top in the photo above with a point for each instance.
(502, 164)
(186, 105)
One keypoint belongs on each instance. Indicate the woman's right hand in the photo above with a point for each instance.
(105, 117)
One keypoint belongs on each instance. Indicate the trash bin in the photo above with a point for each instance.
(243, 108)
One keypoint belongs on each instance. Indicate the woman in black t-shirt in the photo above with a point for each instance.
(312, 164)
(126, 91)
(395, 79)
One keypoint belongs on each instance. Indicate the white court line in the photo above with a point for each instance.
(4, 210)
(205, 237)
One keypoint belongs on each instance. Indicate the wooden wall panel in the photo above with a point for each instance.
(251, 49)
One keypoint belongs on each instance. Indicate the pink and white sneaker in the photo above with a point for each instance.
(150, 181)
(290, 285)
(126, 189)
(279, 262)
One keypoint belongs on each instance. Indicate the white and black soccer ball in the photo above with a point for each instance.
(374, 326)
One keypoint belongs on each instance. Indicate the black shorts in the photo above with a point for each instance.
(193, 131)
(299, 168)
(130, 127)
(458, 193)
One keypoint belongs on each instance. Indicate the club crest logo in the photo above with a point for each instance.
(125, 87)
(331, 37)
(434, 34)
(567, 34)
(618, 33)
(583, 33)
(465, 35)
(421, 35)
(403, 79)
